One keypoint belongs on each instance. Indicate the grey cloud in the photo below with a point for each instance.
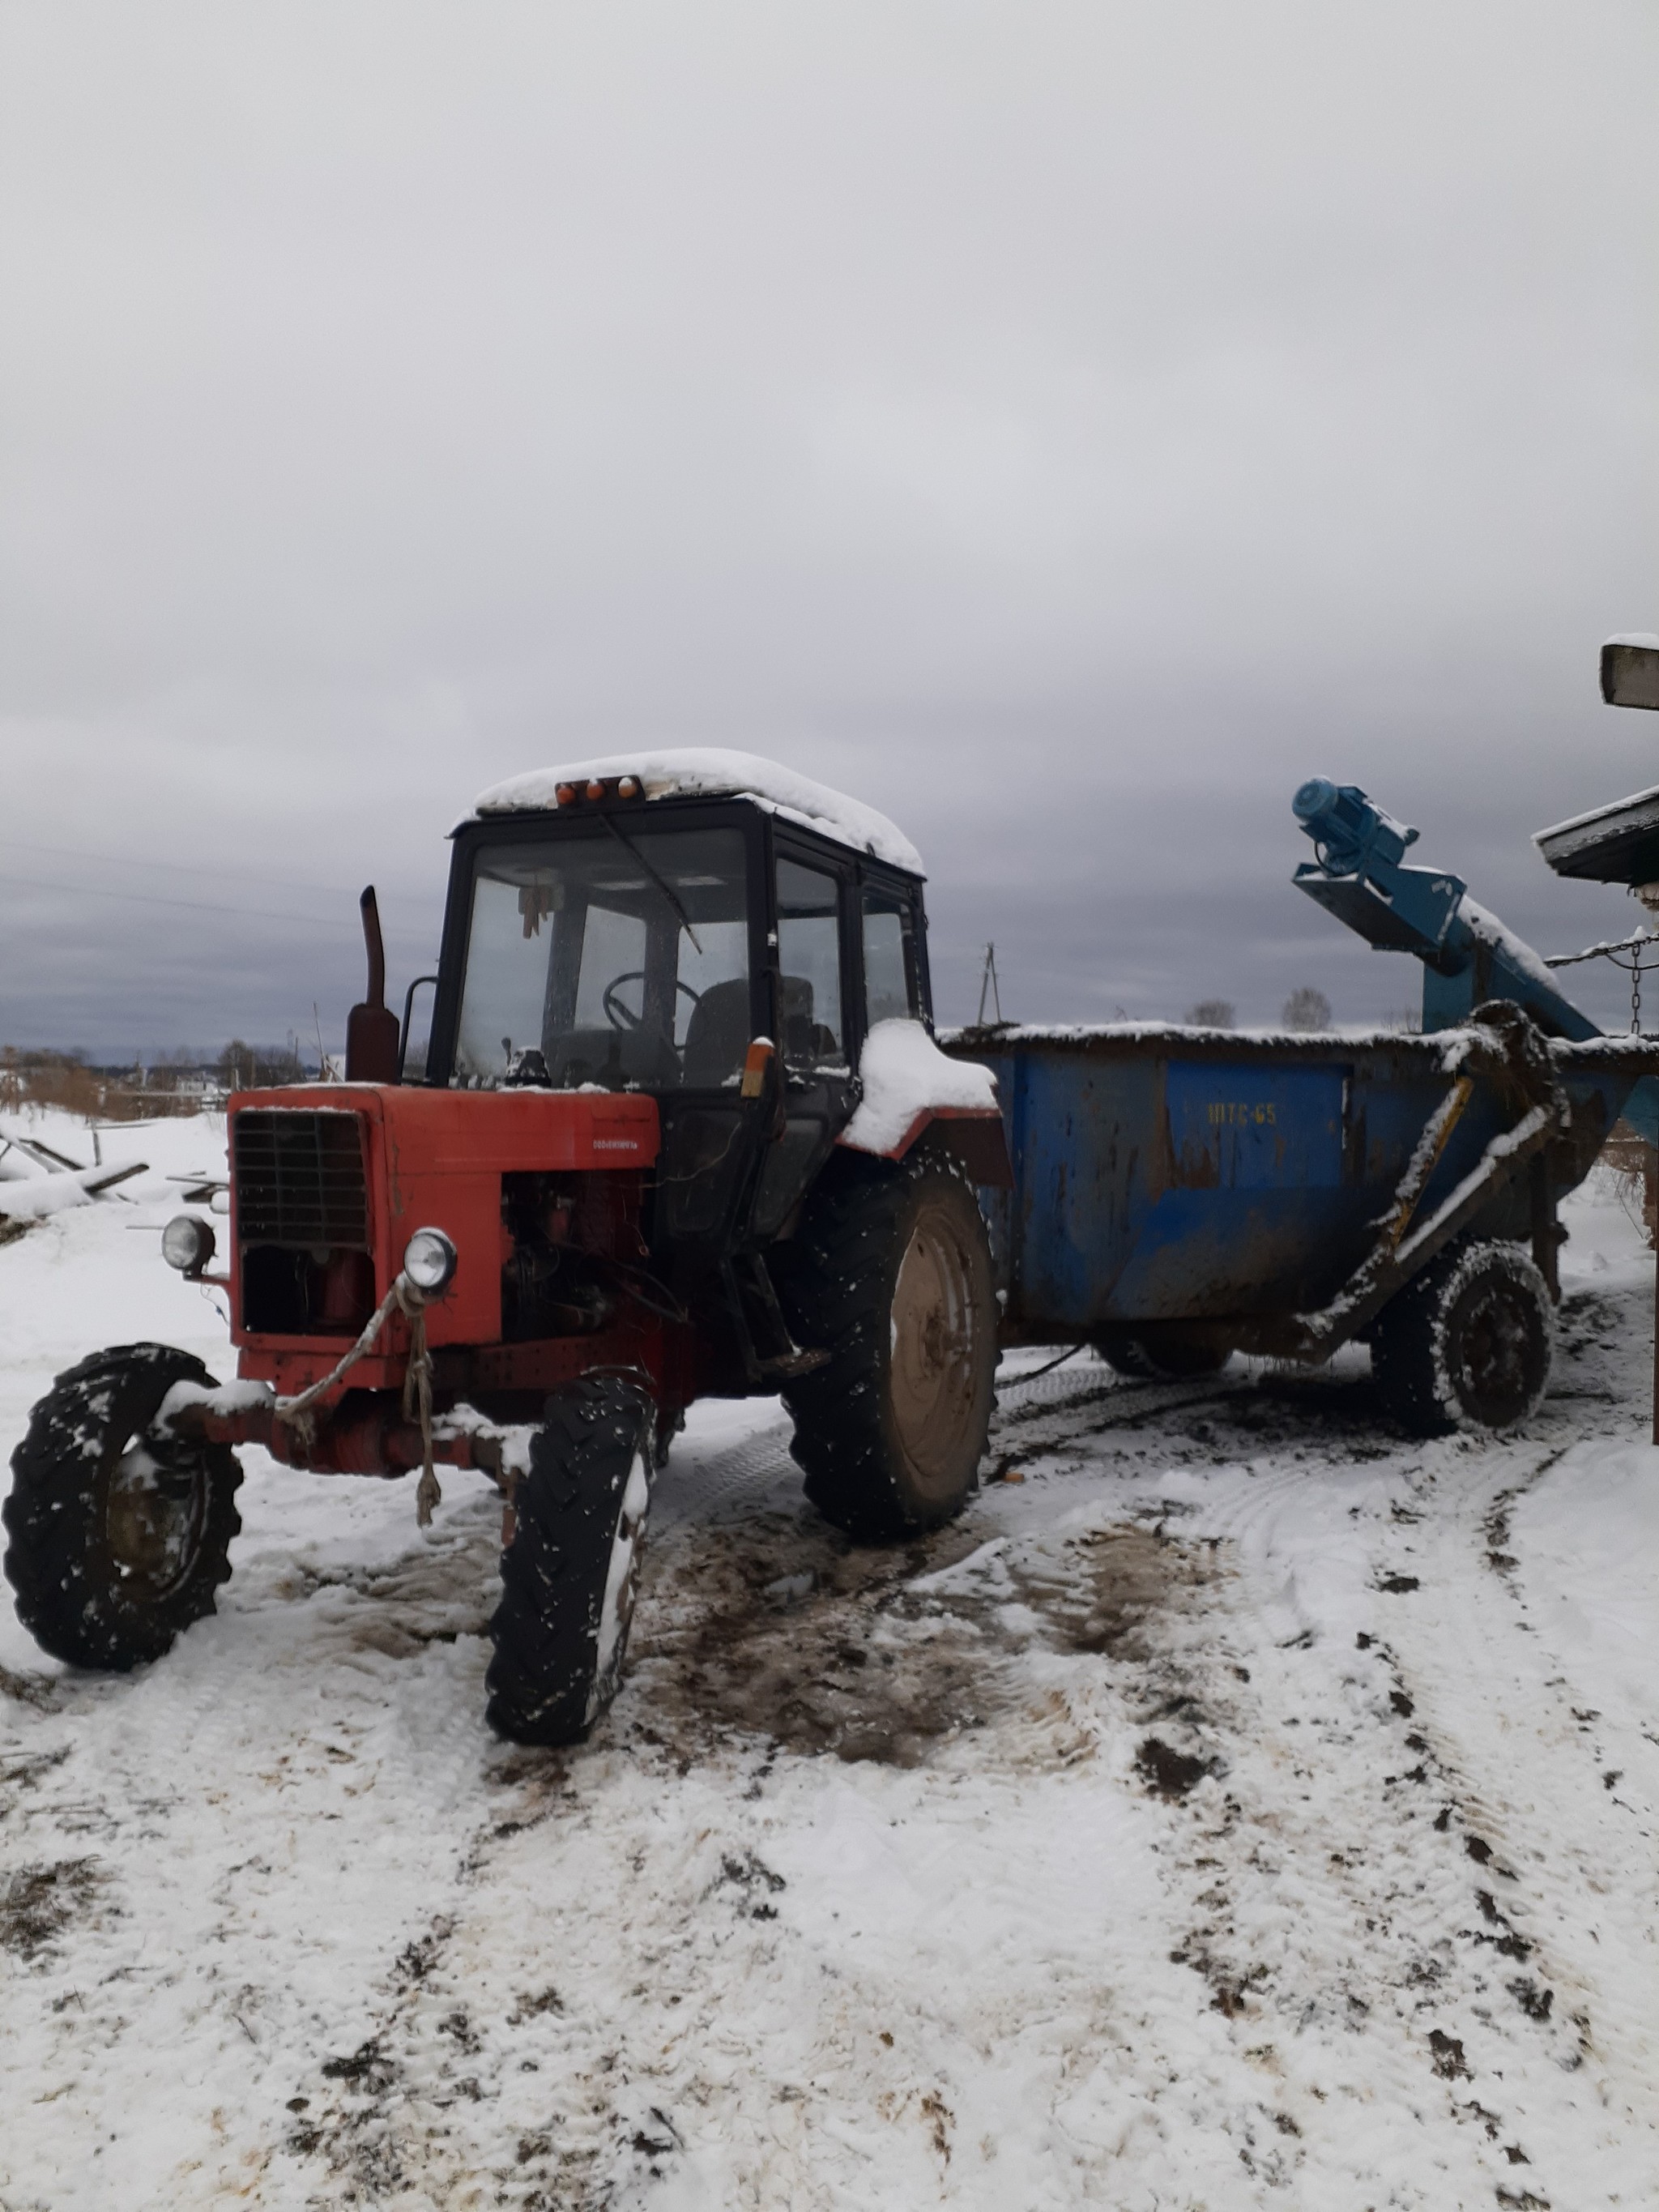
(1066, 427)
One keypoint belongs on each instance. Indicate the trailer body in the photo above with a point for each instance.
(1167, 1176)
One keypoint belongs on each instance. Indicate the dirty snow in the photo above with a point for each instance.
(716, 772)
(903, 1073)
(1240, 1807)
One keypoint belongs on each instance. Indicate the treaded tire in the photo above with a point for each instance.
(1171, 1362)
(890, 1273)
(119, 1542)
(1468, 1343)
(569, 1574)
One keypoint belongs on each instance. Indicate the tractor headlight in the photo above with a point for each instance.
(187, 1243)
(429, 1260)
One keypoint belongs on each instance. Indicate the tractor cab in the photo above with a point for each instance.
(638, 925)
(637, 931)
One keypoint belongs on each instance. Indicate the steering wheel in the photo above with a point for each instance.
(624, 1017)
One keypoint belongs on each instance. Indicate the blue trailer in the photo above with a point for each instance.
(1180, 1194)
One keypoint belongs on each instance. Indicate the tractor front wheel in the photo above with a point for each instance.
(890, 1273)
(569, 1574)
(119, 1537)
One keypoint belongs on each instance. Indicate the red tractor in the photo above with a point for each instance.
(679, 1130)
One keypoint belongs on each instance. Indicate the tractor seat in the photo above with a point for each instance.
(806, 1042)
(717, 1035)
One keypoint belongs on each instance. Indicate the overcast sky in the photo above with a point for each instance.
(1066, 427)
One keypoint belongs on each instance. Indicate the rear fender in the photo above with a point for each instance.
(911, 1089)
(973, 1135)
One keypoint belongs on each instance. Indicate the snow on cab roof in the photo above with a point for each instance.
(716, 773)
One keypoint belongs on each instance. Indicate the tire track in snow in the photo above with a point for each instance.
(1556, 1871)
(1432, 1928)
(1299, 1885)
(1050, 2033)
(263, 1808)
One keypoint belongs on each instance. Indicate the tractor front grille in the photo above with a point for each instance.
(300, 1179)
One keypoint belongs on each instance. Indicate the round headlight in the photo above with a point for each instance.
(187, 1243)
(429, 1260)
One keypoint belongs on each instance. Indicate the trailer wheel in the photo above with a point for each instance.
(1469, 1343)
(1171, 1359)
(120, 1539)
(890, 1271)
(569, 1576)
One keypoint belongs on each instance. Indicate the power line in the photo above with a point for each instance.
(189, 906)
(172, 867)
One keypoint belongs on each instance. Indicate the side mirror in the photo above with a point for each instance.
(1630, 671)
(416, 1038)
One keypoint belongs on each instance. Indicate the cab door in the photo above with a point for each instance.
(813, 910)
(892, 979)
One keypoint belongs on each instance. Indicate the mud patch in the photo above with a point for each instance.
(1340, 1416)
(21, 1771)
(1446, 2056)
(40, 1691)
(780, 1629)
(1230, 1991)
(1168, 1772)
(1108, 1583)
(39, 1902)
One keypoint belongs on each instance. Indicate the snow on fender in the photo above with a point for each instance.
(908, 1082)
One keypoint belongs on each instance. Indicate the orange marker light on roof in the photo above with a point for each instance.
(629, 788)
(564, 794)
(596, 789)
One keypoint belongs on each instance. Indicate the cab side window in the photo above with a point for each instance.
(808, 962)
(890, 961)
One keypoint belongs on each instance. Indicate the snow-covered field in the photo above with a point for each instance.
(1243, 1808)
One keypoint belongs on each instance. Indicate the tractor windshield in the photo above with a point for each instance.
(616, 956)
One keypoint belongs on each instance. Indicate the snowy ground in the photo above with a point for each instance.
(1245, 1808)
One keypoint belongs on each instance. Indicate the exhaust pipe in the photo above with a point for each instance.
(372, 1034)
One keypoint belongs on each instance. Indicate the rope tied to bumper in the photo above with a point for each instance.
(407, 1298)
(417, 1394)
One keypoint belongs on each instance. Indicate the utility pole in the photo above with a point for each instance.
(988, 987)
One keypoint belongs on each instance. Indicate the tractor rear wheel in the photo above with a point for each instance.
(120, 1538)
(890, 1273)
(1467, 1343)
(569, 1574)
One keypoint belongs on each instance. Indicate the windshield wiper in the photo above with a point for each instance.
(629, 846)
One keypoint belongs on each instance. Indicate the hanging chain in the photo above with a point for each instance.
(1637, 951)
(1645, 941)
